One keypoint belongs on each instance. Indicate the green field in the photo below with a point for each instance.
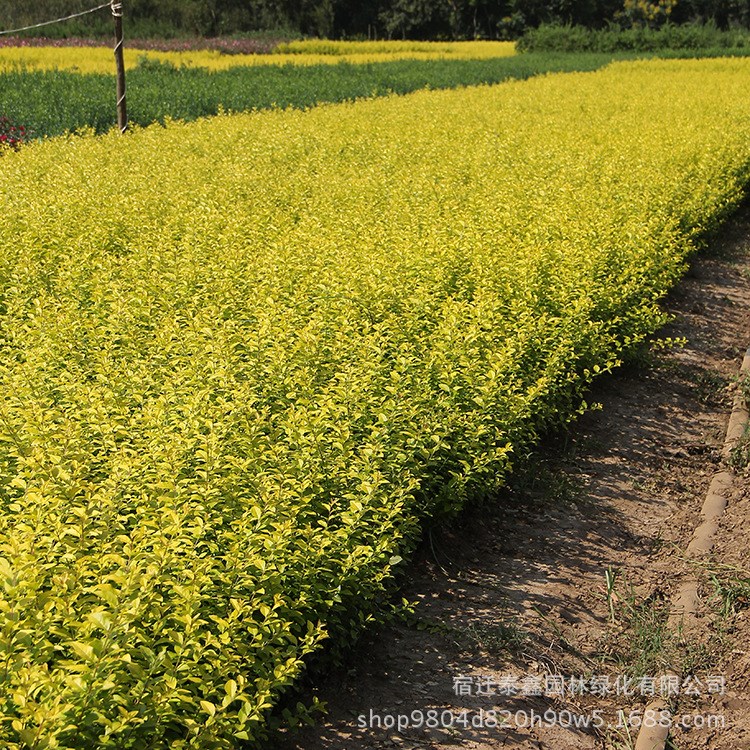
(53, 102)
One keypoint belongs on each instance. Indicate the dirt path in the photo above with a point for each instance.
(571, 575)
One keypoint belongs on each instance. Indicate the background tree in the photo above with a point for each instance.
(417, 19)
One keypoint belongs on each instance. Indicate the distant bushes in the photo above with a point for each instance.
(557, 38)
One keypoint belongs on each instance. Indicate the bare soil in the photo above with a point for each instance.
(570, 574)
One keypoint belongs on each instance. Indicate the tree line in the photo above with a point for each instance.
(385, 19)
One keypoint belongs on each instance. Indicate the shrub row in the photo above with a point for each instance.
(684, 37)
(98, 58)
(243, 359)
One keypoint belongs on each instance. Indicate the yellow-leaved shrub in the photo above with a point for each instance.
(241, 360)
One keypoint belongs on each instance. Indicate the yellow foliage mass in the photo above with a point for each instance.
(241, 358)
(100, 59)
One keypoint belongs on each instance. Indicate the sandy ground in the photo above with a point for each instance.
(549, 608)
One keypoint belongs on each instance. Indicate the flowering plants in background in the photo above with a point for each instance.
(12, 135)
(226, 45)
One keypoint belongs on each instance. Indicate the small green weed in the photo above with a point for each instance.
(499, 638)
(731, 589)
(640, 641)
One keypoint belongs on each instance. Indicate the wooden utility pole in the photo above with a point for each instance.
(122, 113)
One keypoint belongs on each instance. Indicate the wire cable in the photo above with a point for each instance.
(59, 20)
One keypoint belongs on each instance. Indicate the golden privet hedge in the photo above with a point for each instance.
(241, 360)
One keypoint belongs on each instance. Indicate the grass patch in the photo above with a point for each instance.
(640, 641)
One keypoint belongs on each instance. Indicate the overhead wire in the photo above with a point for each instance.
(59, 20)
